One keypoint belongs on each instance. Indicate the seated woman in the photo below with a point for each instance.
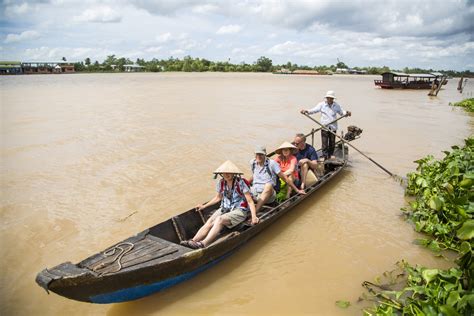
(288, 164)
(236, 203)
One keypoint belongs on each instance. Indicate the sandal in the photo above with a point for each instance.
(195, 244)
(185, 243)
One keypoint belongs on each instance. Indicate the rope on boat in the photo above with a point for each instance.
(119, 255)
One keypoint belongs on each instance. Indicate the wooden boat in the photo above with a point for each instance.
(399, 80)
(154, 260)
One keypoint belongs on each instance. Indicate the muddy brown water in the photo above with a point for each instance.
(90, 159)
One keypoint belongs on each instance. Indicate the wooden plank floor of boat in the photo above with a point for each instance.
(131, 253)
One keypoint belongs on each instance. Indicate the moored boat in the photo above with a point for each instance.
(400, 80)
(154, 260)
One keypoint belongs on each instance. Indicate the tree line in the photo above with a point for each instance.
(263, 64)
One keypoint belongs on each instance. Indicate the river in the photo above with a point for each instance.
(90, 159)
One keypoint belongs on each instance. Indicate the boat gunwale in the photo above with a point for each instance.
(190, 260)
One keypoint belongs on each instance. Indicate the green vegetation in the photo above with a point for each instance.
(468, 104)
(424, 292)
(444, 197)
(343, 304)
(443, 209)
(262, 64)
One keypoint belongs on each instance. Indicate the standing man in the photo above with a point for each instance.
(307, 157)
(329, 110)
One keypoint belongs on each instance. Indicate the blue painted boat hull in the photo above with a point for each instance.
(140, 291)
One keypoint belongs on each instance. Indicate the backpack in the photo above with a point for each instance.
(244, 203)
(276, 187)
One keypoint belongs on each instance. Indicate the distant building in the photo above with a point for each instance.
(67, 68)
(133, 68)
(37, 67)
(342, 70)
(357, 72)
(10, 68)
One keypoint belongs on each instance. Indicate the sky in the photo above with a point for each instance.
(437, 34)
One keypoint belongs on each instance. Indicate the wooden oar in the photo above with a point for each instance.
(346, 142)
(317, 130)
(312, 132)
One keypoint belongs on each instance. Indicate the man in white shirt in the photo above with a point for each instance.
(329, 110)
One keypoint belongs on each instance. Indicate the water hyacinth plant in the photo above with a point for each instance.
(420, 291)
(467, 104)
(443, 210)
(444, 198)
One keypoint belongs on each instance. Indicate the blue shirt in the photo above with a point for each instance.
(233, 197)
(328, 113)
(261, 176)
(308, 152)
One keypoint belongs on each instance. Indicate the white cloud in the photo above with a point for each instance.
(45, 53)
(163, 38)
(177, 52)
(80, 53)
(163, 7)
(206, 8)
(39, 53)
(155, 49)
(101, 14)
(17, 9)
(238, 50)
(396, 33)
(309, 50)
(229, 29)
(23, 36)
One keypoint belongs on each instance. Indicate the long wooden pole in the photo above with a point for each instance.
(312, 132)
(345, 142)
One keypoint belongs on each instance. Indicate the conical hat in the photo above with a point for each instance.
(288, 145)
(228, 167)
(310, 178)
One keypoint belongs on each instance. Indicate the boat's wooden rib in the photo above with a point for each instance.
(154, 259)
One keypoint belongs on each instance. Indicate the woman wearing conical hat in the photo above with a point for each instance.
(288, 164)
(233, 193)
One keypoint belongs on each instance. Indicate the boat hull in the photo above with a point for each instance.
(158, 261)
(140, 291)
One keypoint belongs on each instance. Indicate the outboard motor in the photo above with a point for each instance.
(353, 132)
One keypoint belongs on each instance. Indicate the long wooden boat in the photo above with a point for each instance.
(154, 260)
(399, 80)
